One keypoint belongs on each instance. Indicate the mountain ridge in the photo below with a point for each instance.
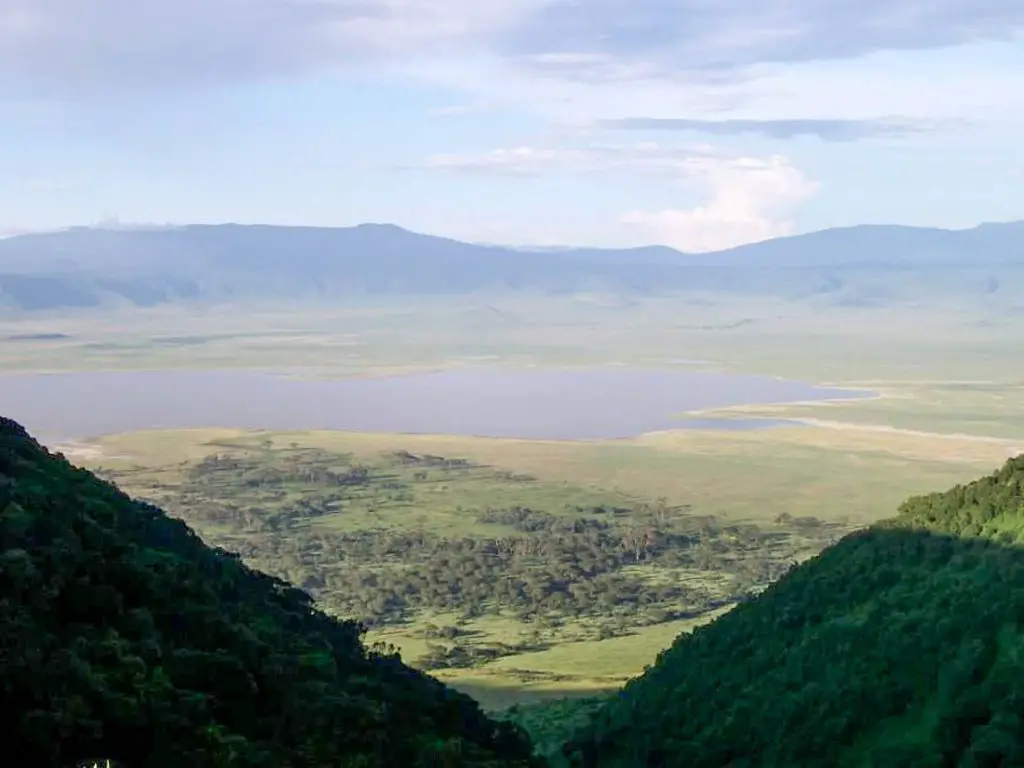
(1016, 225)
(84, 267)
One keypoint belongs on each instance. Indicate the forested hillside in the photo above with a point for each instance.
(124, 637)
(992, 507)
(902, 645)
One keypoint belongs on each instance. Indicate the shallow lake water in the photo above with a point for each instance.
(570, 404)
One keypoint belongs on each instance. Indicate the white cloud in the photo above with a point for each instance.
(747, 200)
(637, 157)
(74, 47)
(953, 89)
(709, 36)
(784, 128)
(778, 67)
(68, 46)
(517, 161)
(723, 65)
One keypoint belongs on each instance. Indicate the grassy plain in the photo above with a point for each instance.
(768, 336)
(951, 405)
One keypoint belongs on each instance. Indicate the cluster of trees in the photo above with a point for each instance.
(901, 645)
(605, 563)
(577, 574)
(123, 637)
(454, 646)
(992, 507)
(219, 468)
(405, 458)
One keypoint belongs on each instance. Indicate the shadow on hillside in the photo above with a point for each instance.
(496, 697)
(896, 646)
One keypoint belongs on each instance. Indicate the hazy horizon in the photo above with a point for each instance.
(530, 122)
(128, 226)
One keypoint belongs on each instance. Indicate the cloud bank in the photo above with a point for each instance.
(79, 44)
(834, 129)
(745, 199)
(711, 36)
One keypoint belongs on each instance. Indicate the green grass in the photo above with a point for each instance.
(833, 474)
(570, 670)
(612, 660)
(980, 408)
(442, 502)
(779, 338)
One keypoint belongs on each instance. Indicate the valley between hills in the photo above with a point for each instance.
(540, 576)
(808, 579)
(897, 645)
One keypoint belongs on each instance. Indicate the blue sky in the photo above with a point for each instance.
(696, 123)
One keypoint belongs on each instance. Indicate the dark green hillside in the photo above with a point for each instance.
(123, 636)
(902, 645)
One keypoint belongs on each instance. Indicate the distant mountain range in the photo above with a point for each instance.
(864, 265)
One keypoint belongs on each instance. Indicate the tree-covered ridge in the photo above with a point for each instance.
(898, 646)
(124, 637)
(992, 507)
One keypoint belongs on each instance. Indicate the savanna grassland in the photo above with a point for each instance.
(801, 340)
(523, 570)
(512, 584)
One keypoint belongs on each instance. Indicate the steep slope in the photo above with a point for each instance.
(123, 636)
(92, 267)
(902, 645)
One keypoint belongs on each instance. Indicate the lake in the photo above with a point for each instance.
(571, 404)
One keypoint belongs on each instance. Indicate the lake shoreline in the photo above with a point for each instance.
(493, 401)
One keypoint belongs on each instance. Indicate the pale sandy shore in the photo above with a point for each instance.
(1013, 446)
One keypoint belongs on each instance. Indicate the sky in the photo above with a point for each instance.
(698, 124)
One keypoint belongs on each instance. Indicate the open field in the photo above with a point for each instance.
(769, 336)
(912, 409)
(832, 473)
